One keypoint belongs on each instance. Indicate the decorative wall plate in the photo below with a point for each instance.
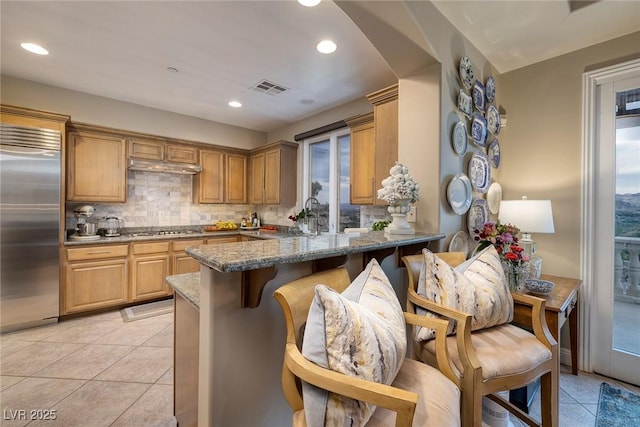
(467, 76)
(459, 138)
(493, 120)
(490, 89)
(479, 130)
(477, 216)
(479, 172)
(459, 242)
(478, 96)
(459, 193)
(494, 197)
(465, 104)
(493, 152)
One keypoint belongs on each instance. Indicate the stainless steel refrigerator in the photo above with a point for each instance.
(29, 226)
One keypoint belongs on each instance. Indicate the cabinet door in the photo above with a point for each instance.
(208, 185)
(95, 284)
(363, 154)
(148, 150)
(148, 277)
(183, 263)
(256, 166)
(272, 177)
(236, 184)
(182, 154)
(96, 169)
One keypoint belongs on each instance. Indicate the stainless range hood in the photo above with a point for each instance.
(155, 166)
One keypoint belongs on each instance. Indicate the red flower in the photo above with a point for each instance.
(512, 256)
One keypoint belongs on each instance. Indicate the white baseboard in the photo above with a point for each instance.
(565, 356)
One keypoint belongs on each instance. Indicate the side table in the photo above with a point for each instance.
(561, 304)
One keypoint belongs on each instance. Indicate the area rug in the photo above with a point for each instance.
(617, 407)
(145, 311)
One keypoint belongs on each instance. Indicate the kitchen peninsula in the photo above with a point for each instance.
(241, 348)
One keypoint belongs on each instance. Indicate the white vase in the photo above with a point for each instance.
(399, 224)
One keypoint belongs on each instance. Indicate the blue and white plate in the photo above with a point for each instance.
(479, 130)
(467, 76)
(493, 151)
(459, 138)
(465, 104)
(459, 193)
(478, 96)
(493, 120)
(479, 172)
(490, 89)
(477, 216)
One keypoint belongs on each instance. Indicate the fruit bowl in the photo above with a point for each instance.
(538, 286)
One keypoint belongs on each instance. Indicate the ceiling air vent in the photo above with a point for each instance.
(270, 88)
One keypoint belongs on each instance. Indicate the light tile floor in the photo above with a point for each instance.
(99, 371)
(92, 371)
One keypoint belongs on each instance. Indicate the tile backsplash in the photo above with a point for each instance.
(162, 199)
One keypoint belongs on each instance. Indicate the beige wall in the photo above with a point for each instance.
(542, 144)
(86, 108)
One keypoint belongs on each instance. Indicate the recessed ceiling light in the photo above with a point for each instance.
(235, 104)
(326, 46)
(34, 48)
(309, 3)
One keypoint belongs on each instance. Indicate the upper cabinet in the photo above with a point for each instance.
(161, 151)
(363, 143)
(223, 178)
(96, 166)
(273, 171)
(374, 146)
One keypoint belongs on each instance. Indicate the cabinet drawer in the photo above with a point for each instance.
(181, 245)
(97, 252)
(150, 248)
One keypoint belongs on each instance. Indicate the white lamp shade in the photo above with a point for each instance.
(530, 216)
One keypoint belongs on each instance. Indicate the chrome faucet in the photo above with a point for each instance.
(312, 204)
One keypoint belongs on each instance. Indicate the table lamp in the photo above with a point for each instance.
(530, 216)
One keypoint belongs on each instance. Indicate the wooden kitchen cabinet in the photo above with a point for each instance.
(96, 167)
(236, 178)
(363, 187)
(385, 118)
(95, 278)
(161, 151)
(183, 263)
(149, 268)
(208, 185)
(273, 171)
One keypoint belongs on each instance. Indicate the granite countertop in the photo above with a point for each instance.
(188, 286)
(132, 237)
(251, 255)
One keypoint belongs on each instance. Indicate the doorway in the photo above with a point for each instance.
(611, 236)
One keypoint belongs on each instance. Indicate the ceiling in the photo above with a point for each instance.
(221, 49)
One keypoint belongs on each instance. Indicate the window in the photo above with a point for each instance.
(326, 175)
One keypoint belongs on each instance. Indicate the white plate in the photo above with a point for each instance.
(479, 130)
(459, 193)
(459, 138)
(493, 152)
(494, 197)
(493, 120)
(479, 172)
(467, 76)
(459, 242)
(490, 89)
(477, 216)
(465, 103)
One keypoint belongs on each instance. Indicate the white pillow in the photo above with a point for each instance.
(477, 287)
(359, 333)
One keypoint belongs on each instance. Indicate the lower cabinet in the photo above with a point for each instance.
(96, 277)
(183, 263)
(149, 268)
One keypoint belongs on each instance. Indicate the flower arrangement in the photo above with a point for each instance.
(399, 185)
(504, 238)
(301, 215)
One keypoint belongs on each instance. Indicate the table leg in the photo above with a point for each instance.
(573, 337)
